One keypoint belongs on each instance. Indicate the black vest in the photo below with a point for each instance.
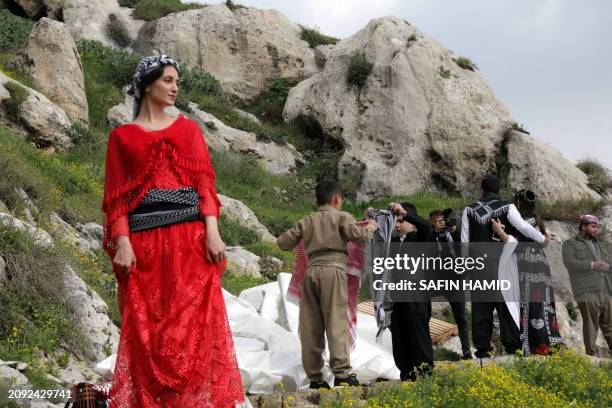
(480, 214)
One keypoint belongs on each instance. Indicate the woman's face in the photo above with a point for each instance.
(165, 90)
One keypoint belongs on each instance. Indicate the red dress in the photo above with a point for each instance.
(176, 348)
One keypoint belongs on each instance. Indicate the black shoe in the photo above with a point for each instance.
(467, 355)
(351, 381)
(318, 385)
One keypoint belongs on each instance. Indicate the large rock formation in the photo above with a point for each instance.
(51, 58)
(46, 123)
(243, 49)
(421, 120)
(238, 211)
(101, 20)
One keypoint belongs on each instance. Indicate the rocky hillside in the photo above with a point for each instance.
(388, 111)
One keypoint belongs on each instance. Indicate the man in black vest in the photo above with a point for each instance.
(412, 347)
(476, 227)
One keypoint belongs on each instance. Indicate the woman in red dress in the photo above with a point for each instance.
(161, 207)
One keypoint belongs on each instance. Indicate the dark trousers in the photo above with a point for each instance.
(412, 348)
(458, 309)
(482, 328)
(459, 313)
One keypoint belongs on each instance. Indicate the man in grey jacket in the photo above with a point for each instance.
(588, 263)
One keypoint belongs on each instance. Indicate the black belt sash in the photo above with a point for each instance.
(165, 207)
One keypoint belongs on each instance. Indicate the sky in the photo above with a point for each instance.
(548, 61)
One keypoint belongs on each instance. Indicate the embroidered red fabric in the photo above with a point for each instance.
(176, 347)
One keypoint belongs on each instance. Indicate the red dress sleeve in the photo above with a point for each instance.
(120, 227)
(209, 200)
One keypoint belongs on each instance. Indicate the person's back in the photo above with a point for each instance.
(324, 298)
(325, 234)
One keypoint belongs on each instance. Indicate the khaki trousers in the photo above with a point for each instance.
(596, 311)
(323, 310)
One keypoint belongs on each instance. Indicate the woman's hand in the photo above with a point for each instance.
(124, 257)
(497, 226)
(215, 247)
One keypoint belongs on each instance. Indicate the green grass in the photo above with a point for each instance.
(444, 354)
(237, 283)
(443, 72)
(561, 380)
(597, 173)
(35, 318)
(149, 10)
(466, 63)
(271, 103)
(55, 181)
(569, 210)
(313, 37)
(233, 6)
(11, 105)
(358, 70)
(14, 31)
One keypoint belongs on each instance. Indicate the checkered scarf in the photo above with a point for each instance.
(145, 67)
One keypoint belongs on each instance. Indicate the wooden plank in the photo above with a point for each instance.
(438, 329)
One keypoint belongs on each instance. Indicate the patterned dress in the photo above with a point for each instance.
(539, 327)
(176, 348)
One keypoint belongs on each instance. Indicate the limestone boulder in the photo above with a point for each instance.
(418, 120)
(243, 262)
(93, 233)
(559, 232)
(91, 315)
(543, 169)
(238, 211)
(244, 48)
(71, 236)
(45, 123)
(606, 224)
(101, 20)
(63, 83)
(247, 115)
(277, 159)
(38, 235)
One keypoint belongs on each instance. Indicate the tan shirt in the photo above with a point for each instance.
(325, 234)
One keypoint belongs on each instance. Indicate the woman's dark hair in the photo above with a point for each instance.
(151, 77)
(525, 200)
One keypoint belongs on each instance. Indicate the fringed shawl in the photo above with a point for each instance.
(136, 156)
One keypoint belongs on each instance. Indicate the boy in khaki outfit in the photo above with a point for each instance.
(324, 300)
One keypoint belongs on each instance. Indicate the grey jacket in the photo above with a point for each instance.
(577, 258)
